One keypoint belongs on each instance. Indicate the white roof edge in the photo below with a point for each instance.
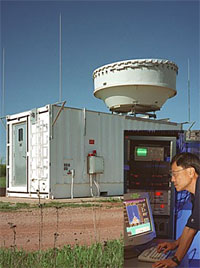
(135, 62)
(26, 113)
(45, 108)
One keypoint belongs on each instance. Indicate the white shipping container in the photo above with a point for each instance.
(47, 152)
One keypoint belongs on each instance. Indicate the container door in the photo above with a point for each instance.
(19, 156)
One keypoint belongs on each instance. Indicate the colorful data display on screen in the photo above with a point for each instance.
(138, 219)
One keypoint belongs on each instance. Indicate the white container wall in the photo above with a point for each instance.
(54, 154)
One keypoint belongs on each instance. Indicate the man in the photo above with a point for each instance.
(185, 172)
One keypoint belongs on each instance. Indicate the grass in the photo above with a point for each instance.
(109, 255)
(3, 182)
(71, 205)
(109, 200)
(8, 206)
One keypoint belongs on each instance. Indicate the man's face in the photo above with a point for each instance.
(180, 177)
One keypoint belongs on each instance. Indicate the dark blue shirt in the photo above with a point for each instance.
(194, 219)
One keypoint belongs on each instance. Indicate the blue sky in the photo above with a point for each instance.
(94, 33)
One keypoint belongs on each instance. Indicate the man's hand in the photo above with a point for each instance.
(166, 246)
(165, 263)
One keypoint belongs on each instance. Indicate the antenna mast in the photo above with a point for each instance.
(60, 59)
(3, 83)
(188, 90)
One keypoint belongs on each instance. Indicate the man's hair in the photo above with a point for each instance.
(187, 160)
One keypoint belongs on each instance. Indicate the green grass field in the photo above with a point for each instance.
(109, 255)
(2, 182)
(8, 206)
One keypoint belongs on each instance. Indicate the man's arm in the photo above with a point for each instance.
(184, 242)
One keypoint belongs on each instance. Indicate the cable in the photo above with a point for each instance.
(194, 249)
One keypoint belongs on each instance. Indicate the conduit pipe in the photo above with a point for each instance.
(72, 172)
(95, 183)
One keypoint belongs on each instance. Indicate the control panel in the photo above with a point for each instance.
(192, 135)
(146, 168)
(148, 164)
(160, 201)
(146, 153)
(161, 206)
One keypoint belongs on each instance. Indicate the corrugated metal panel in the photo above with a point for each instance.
(75, 134)
(75, 137)
(39, 154)
(67, 144)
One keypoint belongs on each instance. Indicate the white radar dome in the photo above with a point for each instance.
(139, 86)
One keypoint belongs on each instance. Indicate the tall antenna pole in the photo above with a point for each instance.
(2, 110)
(188, 90)
(60, 60)
(3, 83)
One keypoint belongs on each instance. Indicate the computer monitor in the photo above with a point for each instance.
(138, 220)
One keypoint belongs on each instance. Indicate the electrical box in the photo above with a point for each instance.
(33, 116)
(95, 164)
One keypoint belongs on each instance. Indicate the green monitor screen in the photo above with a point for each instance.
(141, 152)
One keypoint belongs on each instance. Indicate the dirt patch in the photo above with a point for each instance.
(42, 229)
